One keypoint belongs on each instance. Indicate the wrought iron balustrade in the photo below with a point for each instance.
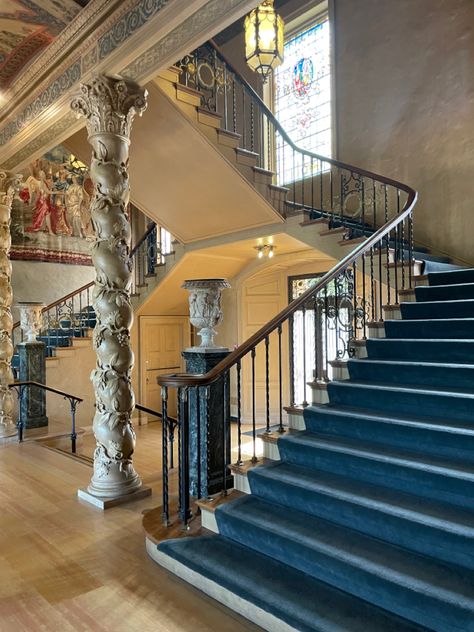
(376, 215)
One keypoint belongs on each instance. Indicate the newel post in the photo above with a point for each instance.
(109, 106)
(9, 183)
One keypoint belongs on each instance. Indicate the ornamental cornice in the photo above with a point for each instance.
(39, 72)
(122, 44)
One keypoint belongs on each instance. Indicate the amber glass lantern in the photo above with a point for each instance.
(264, 39)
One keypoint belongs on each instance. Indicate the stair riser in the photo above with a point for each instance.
(454, 352)
(340, 573)
(442, 376)
(438, 310)
(457, 447)
(429, 329)
(438, 406)
(455, 277)
(421, 483)
(400, 531)
(442, 293)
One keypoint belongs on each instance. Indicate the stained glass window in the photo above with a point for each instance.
(303, 99)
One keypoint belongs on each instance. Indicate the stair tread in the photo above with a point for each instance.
(390, 501)
(276, 588)
(381, 559)
(375, 452)
(405, 388)
(448, 365)
(380, 416)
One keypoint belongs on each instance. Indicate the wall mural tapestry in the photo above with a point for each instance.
(51, 218)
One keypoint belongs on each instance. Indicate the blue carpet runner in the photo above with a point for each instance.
(367, 522)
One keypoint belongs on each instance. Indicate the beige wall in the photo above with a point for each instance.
(405, 102)
(46, 282)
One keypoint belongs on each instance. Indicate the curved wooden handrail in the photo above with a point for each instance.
(46, 388)
(332, 161)
(185, 379)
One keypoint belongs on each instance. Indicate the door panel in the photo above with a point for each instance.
(162, 339)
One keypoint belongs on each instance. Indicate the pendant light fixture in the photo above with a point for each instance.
(264, 39)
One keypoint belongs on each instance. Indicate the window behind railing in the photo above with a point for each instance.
(302, 99)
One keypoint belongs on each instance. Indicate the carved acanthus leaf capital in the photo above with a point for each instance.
(110, 105)
(9, 183)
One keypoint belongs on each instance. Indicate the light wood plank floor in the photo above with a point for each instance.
(65, 565)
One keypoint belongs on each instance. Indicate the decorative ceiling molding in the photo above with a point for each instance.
(125, 43)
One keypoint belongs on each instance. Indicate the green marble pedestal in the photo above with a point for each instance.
(33, 367)
(207, 448)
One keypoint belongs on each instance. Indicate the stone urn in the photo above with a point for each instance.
(205, 307)
(31, 319)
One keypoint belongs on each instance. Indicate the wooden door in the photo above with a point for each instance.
(162, 339)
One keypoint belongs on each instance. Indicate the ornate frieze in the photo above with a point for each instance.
(109, 107)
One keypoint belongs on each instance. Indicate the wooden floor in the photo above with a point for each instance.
(65, 565)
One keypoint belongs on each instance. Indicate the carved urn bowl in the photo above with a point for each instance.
(31, 319)
(205, 307)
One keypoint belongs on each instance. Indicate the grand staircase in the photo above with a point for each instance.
(367, 520)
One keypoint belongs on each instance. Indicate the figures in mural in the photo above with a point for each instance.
(39, 193)
(51, 220)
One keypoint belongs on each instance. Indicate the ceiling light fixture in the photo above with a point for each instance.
(264, 39)
(265, 250)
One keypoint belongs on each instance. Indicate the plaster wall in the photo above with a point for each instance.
(46, 282)
(405, 101)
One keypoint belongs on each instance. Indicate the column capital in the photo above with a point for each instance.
(109, 105)
(9, 183)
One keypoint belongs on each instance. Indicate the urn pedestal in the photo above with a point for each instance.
(33, 367)
(32, 357)
(206, 427)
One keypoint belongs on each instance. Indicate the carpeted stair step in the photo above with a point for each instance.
(424, 350)
(435, 438)
(437, 309)
(417, 373)
(410, 585)
(387, 514)
(436, 266)
(451, 292)
(291, 596)
(437, 403)
(434, 478)
(454, 277)
(447, 328)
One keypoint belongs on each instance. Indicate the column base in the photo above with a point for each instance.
(105, 503)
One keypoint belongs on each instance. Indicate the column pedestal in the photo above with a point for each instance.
(206, 431)
(33, 367)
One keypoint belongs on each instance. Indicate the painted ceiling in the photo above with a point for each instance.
(27, 27)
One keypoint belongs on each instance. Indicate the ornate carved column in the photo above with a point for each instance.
(9, 183)
(109, 106)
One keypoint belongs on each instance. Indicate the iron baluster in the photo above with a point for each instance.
(254, 427)
(165, 516)
(234, 107)
(225, 421)
(252, 127)
(280, 382)
(291, 330)
(305, 402)
(410, 247)
(239, 414)
(387, 238)
(185, 504)
(372, 284)
(73, 402)
(267, 385)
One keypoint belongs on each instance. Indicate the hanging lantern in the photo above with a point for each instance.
(264, 39)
